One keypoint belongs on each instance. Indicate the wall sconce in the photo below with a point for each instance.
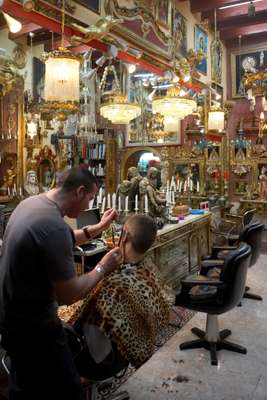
(13, 25)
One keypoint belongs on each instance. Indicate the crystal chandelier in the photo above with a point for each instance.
(116, 107)
(62, 80)
(173, 104)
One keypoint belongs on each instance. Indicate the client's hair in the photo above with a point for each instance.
(142, 232)
(75, 177)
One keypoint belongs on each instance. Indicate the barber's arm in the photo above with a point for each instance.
(76, 288)
(90, 231)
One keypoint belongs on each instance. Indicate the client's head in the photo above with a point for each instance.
(139, 233)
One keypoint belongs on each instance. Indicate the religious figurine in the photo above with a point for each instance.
(259, 149)
(148, 186)
(130, 187)
(31, 183)
(263, 184)
(9, 181)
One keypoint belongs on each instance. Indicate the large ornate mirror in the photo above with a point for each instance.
(142, 159)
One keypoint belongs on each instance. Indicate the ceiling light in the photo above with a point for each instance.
(237, 5)
(13, 25)
(251, 9)
(131, 68)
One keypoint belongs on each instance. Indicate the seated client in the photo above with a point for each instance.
(128, 307)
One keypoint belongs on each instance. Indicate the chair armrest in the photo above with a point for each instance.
(193, 280)
(239, 217)
(212, 263)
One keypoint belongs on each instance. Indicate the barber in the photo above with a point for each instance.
(37, 273)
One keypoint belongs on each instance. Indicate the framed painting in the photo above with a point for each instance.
(246, 61)
(93, 5)
(179, 33)
(201, 43)
(163, 13)
(216, 53)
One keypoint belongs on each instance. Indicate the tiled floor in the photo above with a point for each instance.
(187, 375)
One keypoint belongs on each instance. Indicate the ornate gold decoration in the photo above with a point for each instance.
(257, 82)
(8, 75)
(19, 56)
(97, 31)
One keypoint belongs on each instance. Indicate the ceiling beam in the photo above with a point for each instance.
(27, 28)
(257, 39)
(222, 15)
(243, 31)
(206, 5)
(242, 20)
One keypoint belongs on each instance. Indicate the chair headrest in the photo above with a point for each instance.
(256, 226)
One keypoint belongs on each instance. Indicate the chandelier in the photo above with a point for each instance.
(62, 78)
(116, 106)
(216, 119)
(119, 110)
(173, 104)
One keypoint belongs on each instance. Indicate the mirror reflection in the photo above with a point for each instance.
(46, 174)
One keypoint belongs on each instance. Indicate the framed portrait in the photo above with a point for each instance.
(93, 5)
(246, 61)
(201, 43)
(163, 12)
(179, 33)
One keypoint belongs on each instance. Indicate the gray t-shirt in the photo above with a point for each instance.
(37, 250)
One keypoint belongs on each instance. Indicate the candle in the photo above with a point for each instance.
(168, 185)
(15, 188)
(8, 192)
(97, 200)
(126, 204)
(173, 197)
(20, 192)
(91, 202)
(114, 201)
(185, 186)
(146, 204)
(100, 195)
(109, 201)
(119, 205)
(181, 185)
(136, 202)
(103, 205)
(197, 186)
(191, 185)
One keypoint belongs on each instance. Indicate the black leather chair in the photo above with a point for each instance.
(252, 235)
(229, 289)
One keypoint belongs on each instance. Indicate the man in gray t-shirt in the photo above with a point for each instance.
(36, 274)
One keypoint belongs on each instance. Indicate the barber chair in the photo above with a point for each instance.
(95, 375)
(252, 235)
(227, 292)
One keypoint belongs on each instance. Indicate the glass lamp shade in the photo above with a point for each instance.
(118, 110)
(174, 105)
(62, 80)
(216, 120)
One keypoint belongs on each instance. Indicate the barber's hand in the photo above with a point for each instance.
(112, 260)
(108, 216)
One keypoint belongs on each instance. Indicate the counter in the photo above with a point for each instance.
(178, 248)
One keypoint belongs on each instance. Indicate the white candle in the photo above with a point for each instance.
(197, 186)
(15, 188)
(146, 203)
(91, 203)
(20, 192)
(180, 186)
(103, 205)
(191, 185)
(8, 192)
(173, 197)
(109, 201)
(114, 201)
(168, 185)
(97, 200)
(100, 195)
(126, 204)
(119, 205)
(136, 202)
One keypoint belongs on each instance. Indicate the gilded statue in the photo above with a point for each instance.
(148, 186)
(130, 187)
(9, 180)
(97, 31)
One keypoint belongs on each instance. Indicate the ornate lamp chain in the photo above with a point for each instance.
(63, 24)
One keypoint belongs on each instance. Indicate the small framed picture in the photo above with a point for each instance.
(93, 5)
(164, 12)
(201, 43)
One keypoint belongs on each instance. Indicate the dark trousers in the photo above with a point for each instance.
(42, 365)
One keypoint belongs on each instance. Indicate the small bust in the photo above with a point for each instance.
(31, 183)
